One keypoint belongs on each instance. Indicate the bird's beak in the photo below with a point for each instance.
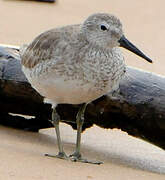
(128, 45)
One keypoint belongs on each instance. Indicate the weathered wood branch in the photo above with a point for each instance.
(50, 1)
(138, 108)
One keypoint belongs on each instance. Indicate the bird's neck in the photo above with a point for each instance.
(101, 50)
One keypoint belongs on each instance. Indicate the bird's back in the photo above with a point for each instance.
(48, 44)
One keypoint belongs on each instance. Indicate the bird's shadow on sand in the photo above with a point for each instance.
(119, 158)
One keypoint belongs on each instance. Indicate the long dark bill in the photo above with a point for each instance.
(128, 45)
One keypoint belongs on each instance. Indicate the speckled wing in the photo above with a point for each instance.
(48, 45)
(40, 49)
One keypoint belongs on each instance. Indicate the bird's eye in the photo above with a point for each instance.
(103, 28)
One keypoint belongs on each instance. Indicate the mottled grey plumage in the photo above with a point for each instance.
(75, 64)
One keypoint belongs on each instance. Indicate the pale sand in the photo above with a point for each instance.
(22, 156)
(126, 158)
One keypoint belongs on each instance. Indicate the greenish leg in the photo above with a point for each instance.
(55, 121)
(76, 156)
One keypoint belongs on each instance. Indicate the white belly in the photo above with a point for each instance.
(58, 91)
(71, 92)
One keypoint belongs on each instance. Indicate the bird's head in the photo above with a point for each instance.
(105, 31)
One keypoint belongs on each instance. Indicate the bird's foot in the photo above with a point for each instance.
(60, 155)
(76, 157)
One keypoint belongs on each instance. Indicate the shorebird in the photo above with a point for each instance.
(77, 64)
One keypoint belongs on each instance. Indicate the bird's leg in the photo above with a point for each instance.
(76, 156)
(79, 121)
(55, 121)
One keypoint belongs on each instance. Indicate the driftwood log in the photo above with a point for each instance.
(46, 1)
(138, 108)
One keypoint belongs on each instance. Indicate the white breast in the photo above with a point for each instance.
(57, 90)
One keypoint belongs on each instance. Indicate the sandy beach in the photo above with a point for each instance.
(125, 157)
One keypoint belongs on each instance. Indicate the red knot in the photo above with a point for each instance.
(77, 64)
